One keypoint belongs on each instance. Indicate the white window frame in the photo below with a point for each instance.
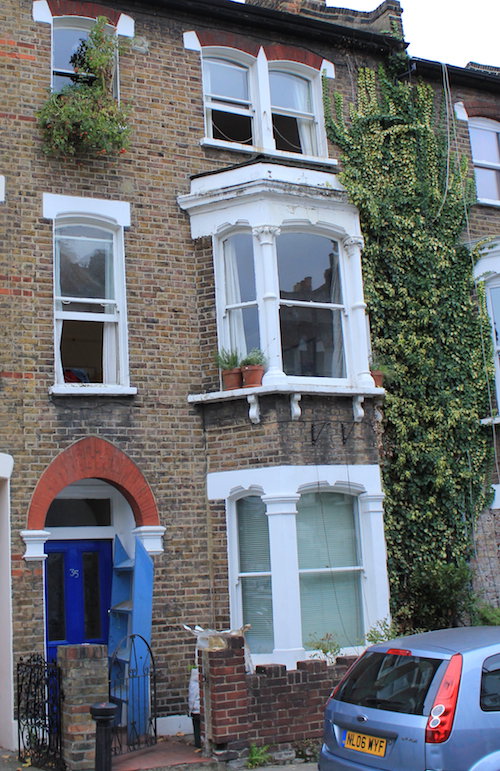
(487, 270)
(280, 488)
(265, 199)
(486, 124)
(260, 110)
(113, 216)
(41, 12)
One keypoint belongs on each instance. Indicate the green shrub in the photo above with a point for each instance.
(84, 118)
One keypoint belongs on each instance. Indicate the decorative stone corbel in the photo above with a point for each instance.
(357, 408)
(254, 408)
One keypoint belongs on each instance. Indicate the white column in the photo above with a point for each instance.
(266, 277)
(376, 584)
(281, 511)
(358, 331)
(8, 733)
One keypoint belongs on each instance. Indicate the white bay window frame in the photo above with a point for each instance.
(265, 199)
(111, 217)
(280, 488)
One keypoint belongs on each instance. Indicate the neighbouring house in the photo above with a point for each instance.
(136, 495)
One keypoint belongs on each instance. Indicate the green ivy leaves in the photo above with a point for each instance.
(429, 324)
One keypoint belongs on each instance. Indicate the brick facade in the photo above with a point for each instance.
(160, 447)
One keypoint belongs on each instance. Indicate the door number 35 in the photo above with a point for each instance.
(74, 573)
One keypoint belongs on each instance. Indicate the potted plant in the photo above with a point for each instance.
(380, 371)
(228, 361)
(252, 368)
(85, 118)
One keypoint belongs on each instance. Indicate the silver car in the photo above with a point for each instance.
(427, 702)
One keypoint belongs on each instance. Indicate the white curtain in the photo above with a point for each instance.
(233, 297)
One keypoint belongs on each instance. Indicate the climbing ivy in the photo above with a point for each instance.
(430, 327)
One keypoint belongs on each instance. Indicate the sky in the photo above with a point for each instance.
(450, 31)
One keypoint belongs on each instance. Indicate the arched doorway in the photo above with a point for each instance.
(91, 504)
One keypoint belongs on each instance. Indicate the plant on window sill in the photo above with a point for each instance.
(84, 118)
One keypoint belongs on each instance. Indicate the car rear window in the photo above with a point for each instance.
(390, 681)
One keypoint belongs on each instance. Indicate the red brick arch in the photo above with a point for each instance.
(98, 459)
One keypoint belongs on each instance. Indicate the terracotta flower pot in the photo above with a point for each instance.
(378, 377)
(252, 375)
(231, 378)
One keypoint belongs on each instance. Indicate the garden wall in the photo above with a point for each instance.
(273, 706)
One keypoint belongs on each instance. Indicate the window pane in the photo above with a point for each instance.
(488, 183)
(308, 268)
(331, 603)
(84, 262)
(326, 531)
(244, 329)
(485, 145)
(231, 128)
(91, 595)
(81, 351)
(238, 268)
(226, 80)
(395, 683)
(79, 512)
(495, 307)
(253, 535)
(290, 91)
(490, 684)
(66, 42)
(258, 611)
(286, 134)
(311, 342)
(56, 614)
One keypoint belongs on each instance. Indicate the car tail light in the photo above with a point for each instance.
(399, 652)
(442, 714)
(342, 681)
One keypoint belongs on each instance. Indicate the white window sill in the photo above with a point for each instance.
(488, 202)
(91, 389)
(295, 390)
(492, 421)
(220, 144)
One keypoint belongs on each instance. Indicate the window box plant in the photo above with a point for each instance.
(85, 118)
(252, 368)
(228, 361)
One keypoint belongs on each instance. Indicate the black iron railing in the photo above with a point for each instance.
(132, 687)
(39, 696)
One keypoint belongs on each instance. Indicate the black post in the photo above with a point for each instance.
(104, 715)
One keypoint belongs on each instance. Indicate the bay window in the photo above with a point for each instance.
(306, 555)
(329, 570)
(295, 287)
(287, 270)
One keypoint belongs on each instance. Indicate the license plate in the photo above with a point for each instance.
(372, 745)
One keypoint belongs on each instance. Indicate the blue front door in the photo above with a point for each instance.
(77, 593)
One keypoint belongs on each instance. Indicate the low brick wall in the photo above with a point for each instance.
(84, 672)
(272, 707)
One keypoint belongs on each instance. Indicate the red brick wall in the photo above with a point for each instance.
(272, 707)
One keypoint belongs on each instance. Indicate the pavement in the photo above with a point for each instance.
(164, 756)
